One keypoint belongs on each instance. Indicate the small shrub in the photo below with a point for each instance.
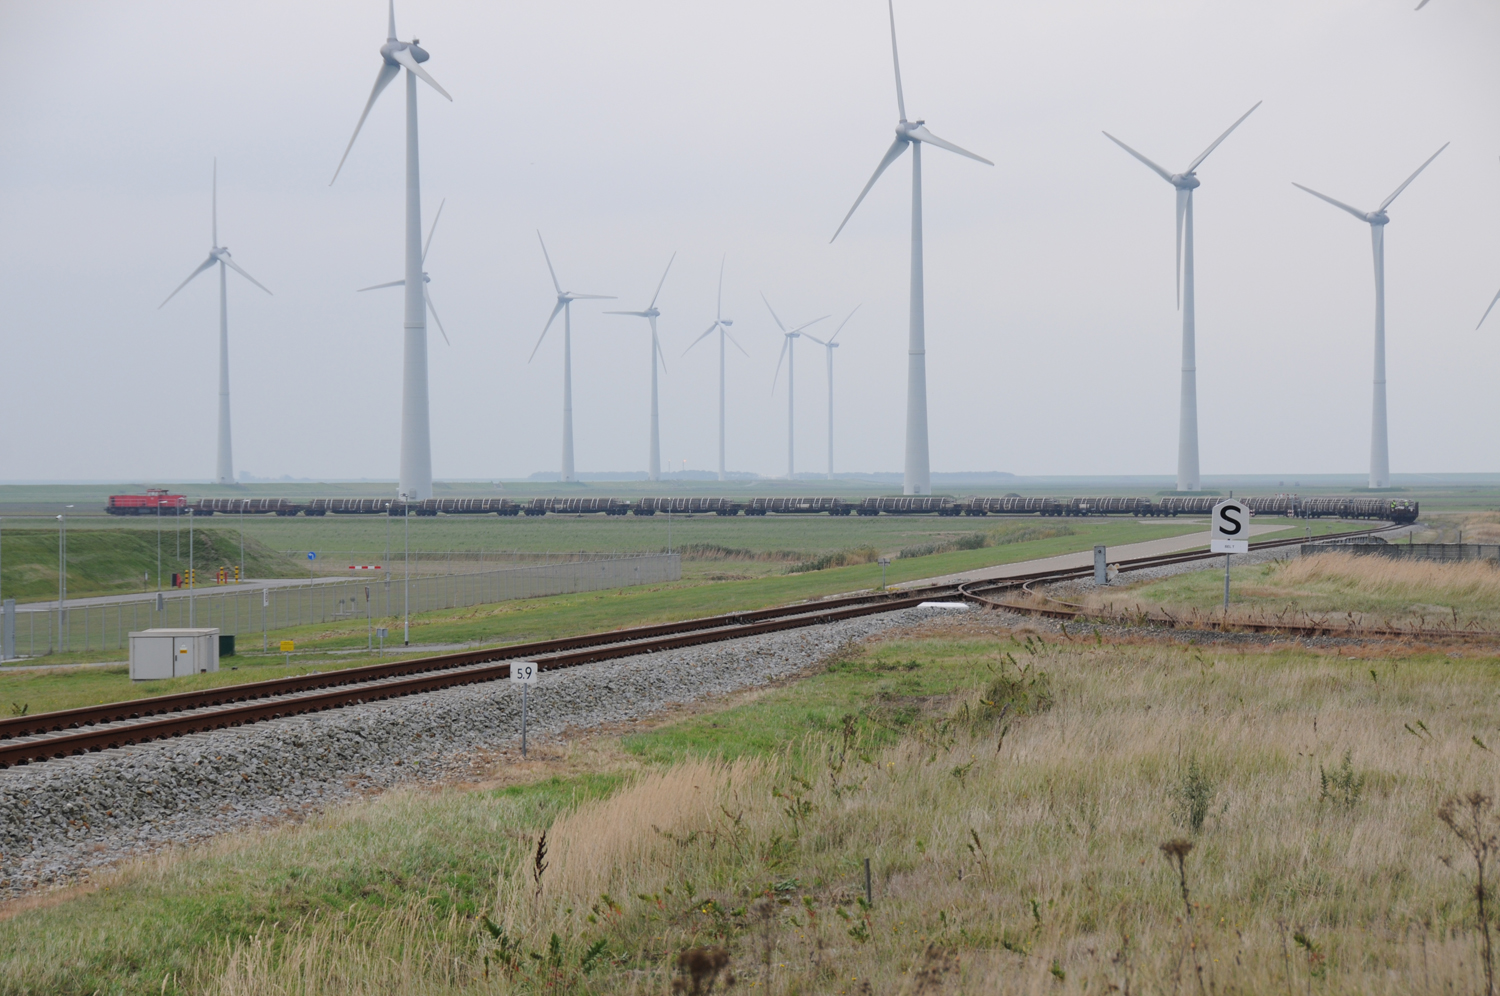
(838, 558)
(1342, 786)
(1195, 796)
(1024, 692)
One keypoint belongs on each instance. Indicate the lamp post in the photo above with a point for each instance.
(158, 544)
(406, 584)
(192, 618)
(62, 578)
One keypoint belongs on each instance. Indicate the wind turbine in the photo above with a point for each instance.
(651, 314)
(789, 337)
(426, 279)
(1488, 310)
(1187, 414)
(220, 255)
(1380, 454)
(416, 433)
(917, 479)
(722, 324)
(829, 346)
(564, 302)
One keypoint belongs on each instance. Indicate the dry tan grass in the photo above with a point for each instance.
(1023, 864)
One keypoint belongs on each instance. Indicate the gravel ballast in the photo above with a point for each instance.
(61, 819)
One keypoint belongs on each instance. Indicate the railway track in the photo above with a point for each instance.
(1072, 611)
(45, 736)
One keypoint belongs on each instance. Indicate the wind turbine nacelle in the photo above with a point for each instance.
(726, 322)
(1378, 218)
(418, 52)
(1186, 181)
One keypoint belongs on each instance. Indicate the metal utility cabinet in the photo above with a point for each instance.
(172, 653)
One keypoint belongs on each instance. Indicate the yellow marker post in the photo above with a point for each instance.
(286, 648)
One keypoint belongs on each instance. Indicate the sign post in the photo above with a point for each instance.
(381, 633)
(1101, 564)
(523, 673)
(1228, 533)
(287, 646)
(884, 563)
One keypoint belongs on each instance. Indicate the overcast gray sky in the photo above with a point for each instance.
(626, 131)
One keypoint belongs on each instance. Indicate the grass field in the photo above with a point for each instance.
(1011, 793)
(123, 560)
(1352, 590)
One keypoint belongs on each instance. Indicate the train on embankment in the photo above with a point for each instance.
(1400, 510)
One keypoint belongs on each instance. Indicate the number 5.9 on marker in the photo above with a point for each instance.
(523, 672)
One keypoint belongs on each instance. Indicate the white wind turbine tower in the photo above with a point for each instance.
(565, 300)
(789, 336)
(1380, 454)
(416, 433)
(722, 324)
(426, 279)
(220, 255)
(917, 478)
(828, 347)
(1187, 426)
(651, 314)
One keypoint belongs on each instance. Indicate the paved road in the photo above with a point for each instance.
(369, 577)
(1085, 558)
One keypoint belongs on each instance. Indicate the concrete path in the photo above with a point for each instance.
(1085, 558)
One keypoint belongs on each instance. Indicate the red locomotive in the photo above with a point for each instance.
(156, 501)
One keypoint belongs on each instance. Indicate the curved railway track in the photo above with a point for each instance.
(45, 736)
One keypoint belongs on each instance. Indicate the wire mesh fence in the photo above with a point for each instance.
(260, 611)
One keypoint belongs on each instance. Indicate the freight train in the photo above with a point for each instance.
(155, 502)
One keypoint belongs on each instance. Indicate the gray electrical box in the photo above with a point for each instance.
(172, 653)
(1101, 565)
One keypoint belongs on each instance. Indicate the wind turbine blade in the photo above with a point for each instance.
(548, 258)
(1338, 204)
(382, 80)
(896, 61)
(241, 271)
(216, 196)
(785, 342)
(719, 307)
(773, 312)
(661, 283)
(1199, 160)
(736, 343)
(431, 231)
(406, 59)
(637, 314)
(1182, 203)
(592, 297)
(814, 338)
(891, 155)
(844, 322)
(550, 319)
(210, 261)
(430, 307)
(1157, 169)
(705, 335)
(656, 344)
(1422, 4)
(1492, 303)
(924, 135)
(815, 321)
(1387, 202)
(393, 283)
(391, 35)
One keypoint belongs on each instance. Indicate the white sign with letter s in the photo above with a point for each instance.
(1229, 527)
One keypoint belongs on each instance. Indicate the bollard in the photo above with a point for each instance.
(1101, 567)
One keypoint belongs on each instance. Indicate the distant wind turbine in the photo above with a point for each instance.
(1488, 310)
(789, 336)
(1380, 454)
(426, 280)
(722, 324)
(1187, 422)
(828, 347)
(651, 314)
(917, 478)
(220, 255)
(565, 300)
(416, 433)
